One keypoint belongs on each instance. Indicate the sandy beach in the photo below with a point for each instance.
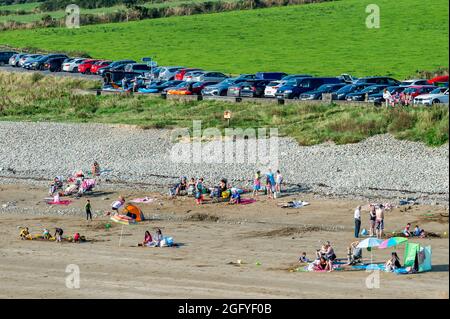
(212, 238)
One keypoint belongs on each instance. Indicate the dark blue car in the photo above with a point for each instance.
(317, 94)
(361, 95)
(342, 93)
(293, 88)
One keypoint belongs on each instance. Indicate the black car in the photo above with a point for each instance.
(221, 89)
(342, 93)
(378, 80)
(378, 99)
(5, 56)
(39, 64)
(160, 86)
(54, 64)
(317, 94)
(361, 95)
(254, 88)
(116, 65)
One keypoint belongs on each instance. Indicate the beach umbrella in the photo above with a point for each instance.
(370, 243)
(124, 220)
(393, 241)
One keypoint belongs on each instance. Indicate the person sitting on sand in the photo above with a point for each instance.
(303, 259)
(393, 263)
(148, 240)
(181, 186)
(159, 237)
(235, 197)
(321, 252)
(58, 234)
(354, 255)
(191, 187)
(418, 232)
(77, 238)
(24, 233)
(330, 256)
(407, 230)
(321, 265)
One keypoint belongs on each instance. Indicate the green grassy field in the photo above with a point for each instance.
(322, 39)
(32, 97)
(29, 6)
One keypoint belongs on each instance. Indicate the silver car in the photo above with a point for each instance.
(209, 77)
(27, 58)
(72, 66)
(191, 75)
(167, 73)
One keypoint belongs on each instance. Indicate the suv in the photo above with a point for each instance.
(54, 64)
(39, 63)
(293, 88)
(5, 56)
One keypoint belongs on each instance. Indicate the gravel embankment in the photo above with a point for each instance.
(380, 167)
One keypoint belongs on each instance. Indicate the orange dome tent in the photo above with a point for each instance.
(134, 212)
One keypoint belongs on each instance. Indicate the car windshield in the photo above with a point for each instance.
(371, 89)
(325, 87)
(291, 83)
(345, 89)
(436, 91)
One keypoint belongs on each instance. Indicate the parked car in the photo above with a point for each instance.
(179, 72)
(317, 94)
(221, 88)
(137, 68)
(235, 89)
(5, 56)
(295, 76)
(361, 95)
(378, 98)
(54, 64)
(210, 77)
(27, 58)
(180, 85)
(247, 76)
(416, 90)
(189, 88)
(438, 95)
(198, 87)
(72, 65)
(114, 65)
(98, 65)
(270, 75)
(86, 65)
(14, 59)
(159, 86)
(294, 87)
(39, 63)
(414, 82)
(378, 80)
(189, 76)
(254, 88)
(342, 93)
(28, 63)
(168, 73)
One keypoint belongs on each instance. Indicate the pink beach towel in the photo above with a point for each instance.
(144, 200)
(246, 201)
(61, 202)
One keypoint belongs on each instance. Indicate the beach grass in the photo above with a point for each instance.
(321, 39)
(34, 97)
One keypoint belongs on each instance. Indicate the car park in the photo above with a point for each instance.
(437, 96)
(317, 94)
(294, 87)
(364, 93)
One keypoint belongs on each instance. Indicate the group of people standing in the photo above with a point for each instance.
(376, 220)
(273, 183)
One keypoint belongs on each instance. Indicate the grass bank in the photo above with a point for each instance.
(322, 39)
(33, 97)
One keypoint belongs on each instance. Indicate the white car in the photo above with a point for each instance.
(439, 95)
(190, 76)
(414, 82)
(72, 66)
(272, 88)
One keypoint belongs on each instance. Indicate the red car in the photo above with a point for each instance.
(180, 74)
(85, 67)
(99, 65)
(415, 90)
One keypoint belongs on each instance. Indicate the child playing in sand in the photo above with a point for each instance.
(418, 232)
(235, 197)
(58, 234)
(303, 258)
(24, 233)
(46, 234)
(407, 230)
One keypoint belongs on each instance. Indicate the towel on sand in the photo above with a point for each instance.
(144, 200)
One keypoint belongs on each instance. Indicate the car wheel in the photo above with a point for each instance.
(295, 98)
(75, 70)
(435, 101)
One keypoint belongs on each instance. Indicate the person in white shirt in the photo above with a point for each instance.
(387, 96)
(357, 216)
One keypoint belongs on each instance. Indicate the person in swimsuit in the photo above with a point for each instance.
(379, 221)
(393, 263)
(372, 217)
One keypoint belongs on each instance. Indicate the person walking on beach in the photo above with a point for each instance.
(87, 207)
(357, 216)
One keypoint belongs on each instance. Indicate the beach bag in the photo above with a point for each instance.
(225, 194)
(364, 232)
